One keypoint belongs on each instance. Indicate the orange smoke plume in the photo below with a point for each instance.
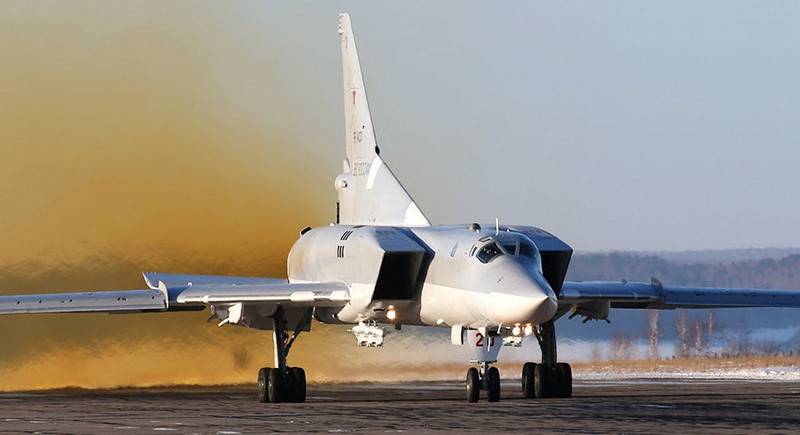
(128, 144)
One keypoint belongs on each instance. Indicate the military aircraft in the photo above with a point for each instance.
(383, 263)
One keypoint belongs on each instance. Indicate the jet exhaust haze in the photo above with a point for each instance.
(120, 152)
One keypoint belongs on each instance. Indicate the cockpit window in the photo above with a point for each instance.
(527, 250)
(489, 252)
(509, 247)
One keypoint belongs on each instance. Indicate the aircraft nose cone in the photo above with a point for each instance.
(546, 310)
(509, 309)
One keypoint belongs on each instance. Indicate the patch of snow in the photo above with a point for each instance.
(764, 374)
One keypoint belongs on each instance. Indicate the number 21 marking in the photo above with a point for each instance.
(479, 343)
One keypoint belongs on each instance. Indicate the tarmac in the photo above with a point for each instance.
(631, 406)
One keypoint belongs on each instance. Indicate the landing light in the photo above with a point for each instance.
(528, 329)
(516, 330)
(391, 314)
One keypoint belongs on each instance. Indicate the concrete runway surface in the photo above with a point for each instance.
(639, 406)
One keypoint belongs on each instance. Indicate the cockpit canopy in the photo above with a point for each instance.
(489, 252)
(516, 246)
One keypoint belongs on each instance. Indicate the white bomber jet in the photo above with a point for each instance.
(384, 263)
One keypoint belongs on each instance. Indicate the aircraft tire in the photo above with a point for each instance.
(276, 386)
(542, 381)
(296, 385)
(564, 371)
(564, 384)
(262, 385)
(527, 380)
(493, 384)
(473, 385)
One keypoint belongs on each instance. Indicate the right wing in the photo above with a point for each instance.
(130, 301)
(172, 292)
(209, 289)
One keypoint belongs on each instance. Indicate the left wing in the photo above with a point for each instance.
(654, 295)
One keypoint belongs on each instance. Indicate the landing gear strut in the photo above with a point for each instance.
(550, 378)
(282, 383)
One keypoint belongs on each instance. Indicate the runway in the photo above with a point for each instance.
(640, 406)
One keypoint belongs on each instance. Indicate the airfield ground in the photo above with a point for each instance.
(599, 406)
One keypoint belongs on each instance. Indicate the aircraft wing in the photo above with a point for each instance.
(654, 295)
(171, 292)
(134, 301)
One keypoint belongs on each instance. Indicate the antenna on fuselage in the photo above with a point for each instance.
(496, 226)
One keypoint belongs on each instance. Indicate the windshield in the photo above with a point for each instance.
(527, 250)
(510, 247)
(520, 248)
(489, 252)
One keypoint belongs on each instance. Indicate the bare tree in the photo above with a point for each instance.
(652, 349)
(621, 346)
(682, 331)
(711, 325)
(744, 347)
(737, 343)
(596, 353)
(698, 341)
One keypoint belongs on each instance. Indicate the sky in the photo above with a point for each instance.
(615, 125)
(200, 137)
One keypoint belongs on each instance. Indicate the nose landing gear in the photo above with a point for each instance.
(488, 378)
(282, 383)
(485, 346)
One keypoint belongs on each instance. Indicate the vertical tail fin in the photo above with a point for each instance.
(369, 193)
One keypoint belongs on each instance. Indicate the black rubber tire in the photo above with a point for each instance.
(493, 384)
(261, 386)
(564, 379)
(542, 381)
(473, 385)
(276, 386)
(527, 380)
(297, 385)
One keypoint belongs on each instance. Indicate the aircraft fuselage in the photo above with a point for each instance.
(434, 276)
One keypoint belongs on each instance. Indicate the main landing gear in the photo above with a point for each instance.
(550, 378)
(282, 383)
(488, 378)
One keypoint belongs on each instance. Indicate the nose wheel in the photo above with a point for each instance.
(488, 378)
(473, 385)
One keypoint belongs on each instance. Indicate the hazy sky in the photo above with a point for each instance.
(616, 125)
